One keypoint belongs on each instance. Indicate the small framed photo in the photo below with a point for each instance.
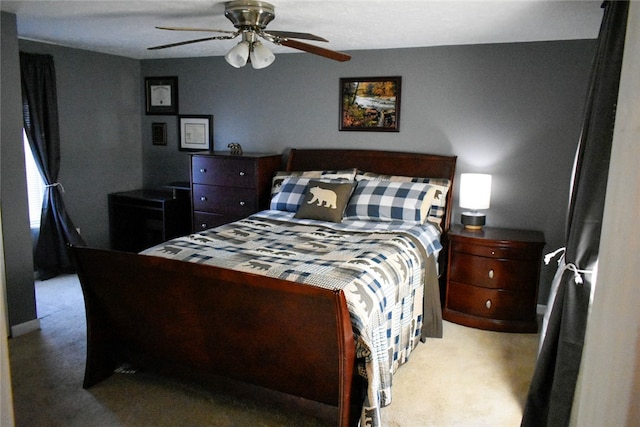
(161, 94)
(159, 133)
(196, 133)
(370, 104)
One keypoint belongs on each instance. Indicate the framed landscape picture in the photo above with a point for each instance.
(370, 104)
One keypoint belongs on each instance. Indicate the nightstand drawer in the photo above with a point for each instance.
(493, 273)
(490, 303)
(229, 172)
(224, 200)
(496, 251)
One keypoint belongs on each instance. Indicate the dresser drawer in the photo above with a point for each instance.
(496, 251)
(224, 200)
(491, 303)
(492, 272)
(204, 220)
(228, 172)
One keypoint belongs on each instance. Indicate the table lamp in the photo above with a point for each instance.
(475, 194)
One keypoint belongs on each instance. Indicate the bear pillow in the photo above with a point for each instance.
(325, 201)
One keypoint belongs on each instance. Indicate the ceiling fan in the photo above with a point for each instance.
(250, 18)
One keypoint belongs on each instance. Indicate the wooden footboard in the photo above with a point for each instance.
(189, 318)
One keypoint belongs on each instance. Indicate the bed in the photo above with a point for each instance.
(200, 320)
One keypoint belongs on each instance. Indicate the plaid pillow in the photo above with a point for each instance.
(372, 176)
(433, 206)
(280, 176)
(292, 192)
(388, 201)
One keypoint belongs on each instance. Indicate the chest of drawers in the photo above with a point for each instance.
(492, 279)
(226, 188)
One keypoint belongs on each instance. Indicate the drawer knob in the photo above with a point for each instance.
(203, 170)
(242, 203)
(203, 198)
(493, 252)
(488, 303)
(242, 173)
(203, 225)
(491, 274)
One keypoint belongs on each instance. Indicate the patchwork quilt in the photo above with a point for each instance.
(380, 266)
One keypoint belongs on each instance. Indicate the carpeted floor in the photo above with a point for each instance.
(468, 378)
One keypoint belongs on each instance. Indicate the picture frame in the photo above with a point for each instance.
(370, 104)
(195, 132)
(159, 133)
(161, 95)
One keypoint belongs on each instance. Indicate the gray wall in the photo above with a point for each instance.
(512, 110)
(13, 184)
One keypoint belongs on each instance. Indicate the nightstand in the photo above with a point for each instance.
(227, 187)
(492, 279)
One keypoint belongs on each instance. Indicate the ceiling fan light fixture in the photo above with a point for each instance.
(261, 56)
(250, 18)
(238, 55)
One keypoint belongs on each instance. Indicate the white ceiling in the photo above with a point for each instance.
(126, 28)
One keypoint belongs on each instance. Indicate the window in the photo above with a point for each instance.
(35, 185)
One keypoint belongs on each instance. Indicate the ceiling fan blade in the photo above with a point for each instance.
(331, 54)
(295, 35)
(195, 29)
(164, 46)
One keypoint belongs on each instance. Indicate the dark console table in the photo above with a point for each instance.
(139, 219)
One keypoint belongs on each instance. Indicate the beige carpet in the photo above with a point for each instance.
(469, 378)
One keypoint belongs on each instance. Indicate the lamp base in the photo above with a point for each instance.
(473, 220)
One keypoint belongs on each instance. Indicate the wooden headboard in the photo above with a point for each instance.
(383, 162)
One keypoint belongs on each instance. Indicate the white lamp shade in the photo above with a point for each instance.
(475, 191)
(238, 55)
(261, 56)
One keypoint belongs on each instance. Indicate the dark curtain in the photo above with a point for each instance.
(553, 385)
(40, 112)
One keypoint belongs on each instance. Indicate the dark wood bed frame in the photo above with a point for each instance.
(182, 318)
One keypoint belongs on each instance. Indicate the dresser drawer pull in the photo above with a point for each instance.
(488, 303)
(493, 252)
(242, 203)
(491, 274)
(203, 226)
(203, 170)
(242, 173)
(203, 198)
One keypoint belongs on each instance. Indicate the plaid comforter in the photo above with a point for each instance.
(380, 267)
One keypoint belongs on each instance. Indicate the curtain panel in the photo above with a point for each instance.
(552, 389)
(40, 113)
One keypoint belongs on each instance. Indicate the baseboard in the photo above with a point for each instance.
(541, 309)
(25, 328)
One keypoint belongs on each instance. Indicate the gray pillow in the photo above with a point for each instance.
(325, 201)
